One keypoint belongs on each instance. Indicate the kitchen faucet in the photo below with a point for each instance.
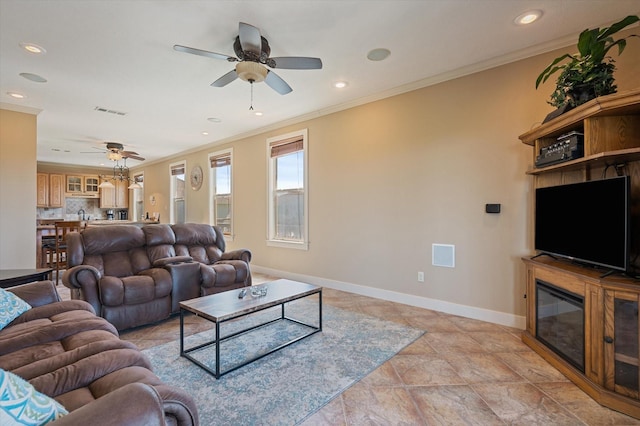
(81, 210)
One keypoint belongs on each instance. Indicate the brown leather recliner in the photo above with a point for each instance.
(135, 276)
(110, 269)
(69, 354)
(220, 270)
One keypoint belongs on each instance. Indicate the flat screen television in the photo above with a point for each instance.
(587, 222)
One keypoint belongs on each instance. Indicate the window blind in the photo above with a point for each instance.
(220, 160)
(286, 146)
(177, 170)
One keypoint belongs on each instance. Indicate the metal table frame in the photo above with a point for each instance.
(217, 373)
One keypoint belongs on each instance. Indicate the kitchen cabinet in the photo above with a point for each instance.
(85, 186)
(50, 191)
(90, 185)
(116, 197)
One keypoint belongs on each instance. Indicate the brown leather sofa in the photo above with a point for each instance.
(134, 276)
(68, 353)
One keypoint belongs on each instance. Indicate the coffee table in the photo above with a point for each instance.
(222, 307)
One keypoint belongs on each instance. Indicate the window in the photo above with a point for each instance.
(138, 197)
(178, 210)
(220, 192)
(288, 195)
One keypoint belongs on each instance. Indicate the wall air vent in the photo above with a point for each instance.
(109, 111)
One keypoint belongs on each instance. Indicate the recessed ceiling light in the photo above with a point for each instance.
(340, 84)
(528, 17)
(33, 48)
(16, 95)
(205, 133)
(214, 119)
(379, 54)
(258, 113)
(33, 77)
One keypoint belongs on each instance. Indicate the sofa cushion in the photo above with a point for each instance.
(160, 240)
(21, 404)
(11, 307)
(109, 239)
(204, 243)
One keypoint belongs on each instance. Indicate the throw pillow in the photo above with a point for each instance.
(11, 307)
(21, 404)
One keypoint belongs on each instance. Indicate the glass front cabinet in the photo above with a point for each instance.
(621, 342)
(82, 185)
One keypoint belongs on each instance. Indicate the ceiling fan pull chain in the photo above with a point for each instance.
(251, 106)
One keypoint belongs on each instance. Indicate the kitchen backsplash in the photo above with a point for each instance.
(91, 207)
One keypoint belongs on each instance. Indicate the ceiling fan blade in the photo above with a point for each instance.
(132, 155)
(250, 39)
(297, 63)
(92, 152)
(205, 53)
(277, 83)
(225, 79)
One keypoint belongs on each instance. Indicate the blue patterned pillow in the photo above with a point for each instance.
(11, 307)
(21, 404)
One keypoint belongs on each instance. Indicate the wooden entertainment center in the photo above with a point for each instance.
(611, 376)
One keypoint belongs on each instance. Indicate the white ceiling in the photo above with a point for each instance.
(118, 54)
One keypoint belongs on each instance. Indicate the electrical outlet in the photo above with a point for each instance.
(421, 277)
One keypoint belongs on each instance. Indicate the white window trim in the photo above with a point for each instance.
(132, 196)
(271, 241)
(172, 190)
(212, 190)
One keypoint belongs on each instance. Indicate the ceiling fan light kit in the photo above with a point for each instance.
(252, 72)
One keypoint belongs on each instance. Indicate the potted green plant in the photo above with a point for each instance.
(589, 73)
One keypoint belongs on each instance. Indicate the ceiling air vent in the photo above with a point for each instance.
(109, 111)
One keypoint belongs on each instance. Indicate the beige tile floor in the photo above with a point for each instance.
(462, 371)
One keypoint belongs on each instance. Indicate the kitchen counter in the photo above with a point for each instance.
(121, 222)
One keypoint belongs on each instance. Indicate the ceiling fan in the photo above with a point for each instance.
(252, 54)
(115, 151)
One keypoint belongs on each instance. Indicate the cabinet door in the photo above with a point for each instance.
(107, 198)
(74, 183)
(122, 194)
(56, 190)
(91, 184)
(42, 194)
(621, 343)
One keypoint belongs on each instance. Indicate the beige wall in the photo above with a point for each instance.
(17, 190)
(389, 178)
(386, 180)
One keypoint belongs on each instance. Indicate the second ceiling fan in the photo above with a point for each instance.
(252, 54)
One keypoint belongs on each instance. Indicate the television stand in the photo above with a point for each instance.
(611, 331)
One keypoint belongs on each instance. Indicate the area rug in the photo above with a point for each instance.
(287, 386)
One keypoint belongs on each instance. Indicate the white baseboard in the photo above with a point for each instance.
(502, 318)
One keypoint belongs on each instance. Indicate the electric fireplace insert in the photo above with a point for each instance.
(560, 322)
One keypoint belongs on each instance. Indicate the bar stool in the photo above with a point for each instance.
(62, 229)
(48, 251)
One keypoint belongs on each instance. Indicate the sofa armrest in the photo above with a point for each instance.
(240, 254)
(81, 275)
(185, 279)
(135, 404)
(178, 405)
(83, 280)
(36, 294)
(161, 263)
